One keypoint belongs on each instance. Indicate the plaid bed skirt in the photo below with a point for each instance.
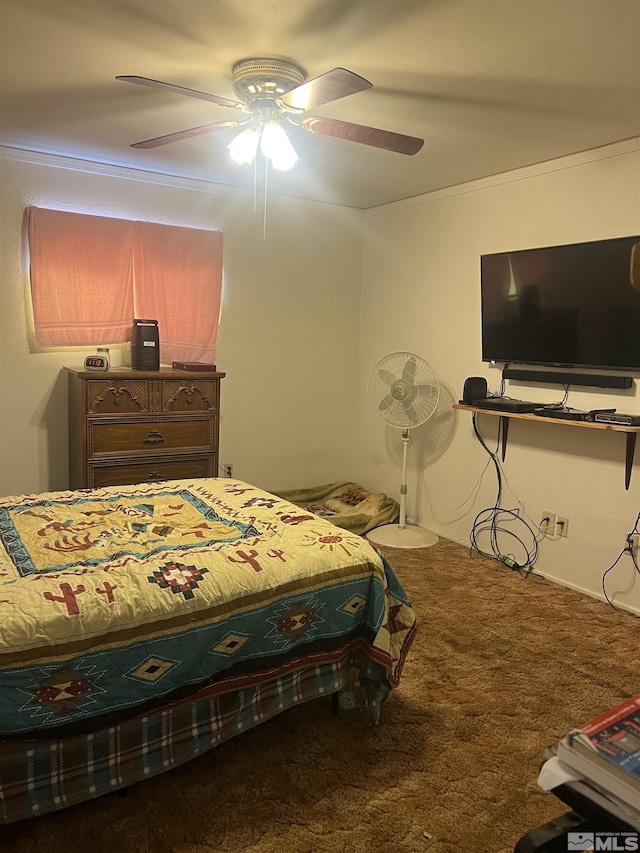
(40, 776)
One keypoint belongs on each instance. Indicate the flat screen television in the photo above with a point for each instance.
(576, 305)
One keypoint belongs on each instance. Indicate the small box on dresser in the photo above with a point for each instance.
(134, 426)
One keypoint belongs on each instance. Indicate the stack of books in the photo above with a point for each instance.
(605, 754)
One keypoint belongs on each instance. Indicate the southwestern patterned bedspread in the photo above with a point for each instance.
(118, 601)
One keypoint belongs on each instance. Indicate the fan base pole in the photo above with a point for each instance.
(394, 536)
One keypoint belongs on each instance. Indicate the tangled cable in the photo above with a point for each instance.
(628, 549)
(491, 522)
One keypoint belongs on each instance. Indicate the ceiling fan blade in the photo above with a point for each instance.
(330, 86)
(185, 134)
(386, 139)
(181, 90)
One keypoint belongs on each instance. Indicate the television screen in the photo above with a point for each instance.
(567, 306)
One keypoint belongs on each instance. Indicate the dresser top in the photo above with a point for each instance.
(130, 373)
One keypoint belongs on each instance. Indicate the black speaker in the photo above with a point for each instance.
(145, 345)
(475, 388)
(567, 378)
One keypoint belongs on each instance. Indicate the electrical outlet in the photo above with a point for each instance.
(226, 468)
(547, 522)
(633, 541)
(562, 526)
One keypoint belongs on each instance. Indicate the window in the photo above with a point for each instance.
(91, 275)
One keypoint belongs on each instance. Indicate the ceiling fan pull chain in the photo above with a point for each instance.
(264, 223)
(255, 185)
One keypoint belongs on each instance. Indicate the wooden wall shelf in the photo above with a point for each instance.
(505, 418)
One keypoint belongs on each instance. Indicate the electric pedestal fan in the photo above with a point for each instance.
(404, 390)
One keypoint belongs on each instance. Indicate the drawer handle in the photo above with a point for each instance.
(154, 475)
(153, 437)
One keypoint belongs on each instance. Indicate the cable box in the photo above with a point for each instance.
(563, 413)
(617, 418)
(505, 404)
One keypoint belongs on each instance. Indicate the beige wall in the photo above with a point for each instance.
(288, 338)
(306, 314)
(421, 292)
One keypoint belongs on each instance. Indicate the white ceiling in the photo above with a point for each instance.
(491, 85)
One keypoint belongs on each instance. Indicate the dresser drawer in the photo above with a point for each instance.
(188, 395)
(151, 471)
(118, 396)
(116, 437)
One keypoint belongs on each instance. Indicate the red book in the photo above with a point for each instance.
(193, 365)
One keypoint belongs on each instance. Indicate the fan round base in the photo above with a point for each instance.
(394, 536)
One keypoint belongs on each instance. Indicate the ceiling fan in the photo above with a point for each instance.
(273, 91)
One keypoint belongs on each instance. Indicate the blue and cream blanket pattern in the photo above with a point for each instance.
(114, 601)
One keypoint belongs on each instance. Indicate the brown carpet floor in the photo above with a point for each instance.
(501, 666)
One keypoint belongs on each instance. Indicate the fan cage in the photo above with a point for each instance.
(404, 389)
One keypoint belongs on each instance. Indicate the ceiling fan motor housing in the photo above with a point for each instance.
(259, 82)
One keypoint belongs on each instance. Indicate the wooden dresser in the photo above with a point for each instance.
(133, 426)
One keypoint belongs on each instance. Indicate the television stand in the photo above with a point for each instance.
(505, 418)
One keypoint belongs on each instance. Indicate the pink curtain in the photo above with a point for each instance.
(91, 275)
(177, 280)
(81, 277)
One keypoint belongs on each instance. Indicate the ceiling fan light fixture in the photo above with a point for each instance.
(243, 147)
(277, 147)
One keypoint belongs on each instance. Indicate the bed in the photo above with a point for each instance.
(142, 625)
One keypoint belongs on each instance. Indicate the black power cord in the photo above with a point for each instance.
(491, 522)
(628, 549)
